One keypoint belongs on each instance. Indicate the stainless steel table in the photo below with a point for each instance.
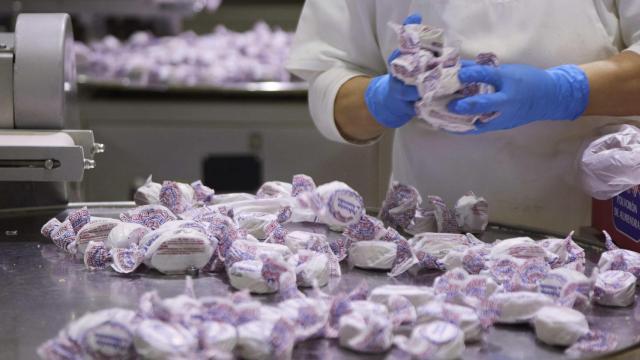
(42, 289)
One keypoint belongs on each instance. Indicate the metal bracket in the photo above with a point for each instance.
(36, 163)
(48, 163)
(85, 139)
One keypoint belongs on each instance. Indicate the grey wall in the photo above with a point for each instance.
(169, 138)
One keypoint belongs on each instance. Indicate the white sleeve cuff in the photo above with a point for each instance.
(323, 90)
(635, 48)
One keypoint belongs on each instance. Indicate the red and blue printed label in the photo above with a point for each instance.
(626, 218)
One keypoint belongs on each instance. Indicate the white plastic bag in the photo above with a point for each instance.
(610, 164)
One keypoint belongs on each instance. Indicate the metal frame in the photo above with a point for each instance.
(6, 79)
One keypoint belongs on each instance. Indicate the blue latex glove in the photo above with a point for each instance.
(523, 94)
(389, 100)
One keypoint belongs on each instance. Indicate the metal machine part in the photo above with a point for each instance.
(42, 89)
(6, 77)
(37, 102)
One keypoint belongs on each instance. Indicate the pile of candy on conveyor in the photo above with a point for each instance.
(292, 235)
(217, 58)
(425, 62)
(208, 5)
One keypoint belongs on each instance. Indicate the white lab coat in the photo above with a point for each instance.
(527, 174)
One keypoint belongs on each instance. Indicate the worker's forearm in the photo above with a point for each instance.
(614, 85)
(350, 111)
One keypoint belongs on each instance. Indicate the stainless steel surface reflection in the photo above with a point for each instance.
(298, 88)
(42, 289)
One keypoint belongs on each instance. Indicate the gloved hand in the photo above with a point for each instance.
(523, 94)
(389, 100)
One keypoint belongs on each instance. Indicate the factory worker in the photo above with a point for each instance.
(569, 67)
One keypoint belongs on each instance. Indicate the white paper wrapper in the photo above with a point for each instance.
(401, 311)
(155, 339)
(445, 218)
(373, 254)
(125, 234)
(417, 295)
(368, 307)
(594, 342)
(403, 209)
(334, 204)
(263, 275)
(274, 189)
(255, 223)
(151, 216)
(206, 213)
(400, 206)
(570, 254)
(264, 205)
(433, 68)
(619, 259)
(85, 337)
(200, 226)
(435, 340)
(302, 183)
(232, 198)
(97, 230)
(178, 197)
(203, 194)
(562, 326)
(518, 274)
(298, 240)
(127, 260)
(306, 241)
(464, 317)
(368, 333)
(308, 315)
(266, 339)
(432, 248)
(367, 237)
(457, 286)
(148, 194)
(251, 250)
(567, 286)
(187, 327)
(247, 274)
(424, 221)
(97, 256)
(472, 213)
(521, 248)
(176, 250)
(518, 307)
(615, 288)
(312, 268)
(218, 335)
